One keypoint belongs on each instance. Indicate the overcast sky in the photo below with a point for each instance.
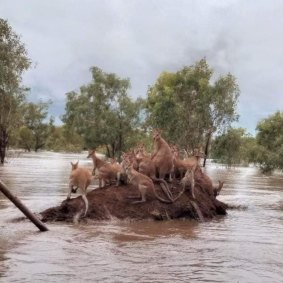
(139, 39)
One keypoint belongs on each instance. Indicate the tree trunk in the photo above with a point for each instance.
(108, 151)
(113, 151)
(3, 145)
(207, 147)
(120, 146)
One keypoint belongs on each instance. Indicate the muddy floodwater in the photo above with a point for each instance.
(244, 246)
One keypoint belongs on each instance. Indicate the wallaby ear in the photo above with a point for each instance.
(75, 165)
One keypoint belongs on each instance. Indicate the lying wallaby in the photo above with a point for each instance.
(162, 156)
(106, 171)
(142, 182)
(80, 178)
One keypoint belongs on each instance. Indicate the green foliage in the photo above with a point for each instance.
(34, 118)
(14, 61)
(227, 148)
(26, 138)
(186, 105)
(102, 113)
(266, 150)
(270, 142)
(60, 140)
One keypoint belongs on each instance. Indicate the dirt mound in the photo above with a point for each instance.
(112, 201)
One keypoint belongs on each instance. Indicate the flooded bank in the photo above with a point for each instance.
(244, 246)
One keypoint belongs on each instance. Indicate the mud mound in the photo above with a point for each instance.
(112, 201)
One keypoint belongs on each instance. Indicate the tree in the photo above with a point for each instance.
(34, 116)
(14, 61)
(26, 138)
(270, 142)
(222, 107)
(228, 147)
(103, 113)
(59, 139)
(186, 105)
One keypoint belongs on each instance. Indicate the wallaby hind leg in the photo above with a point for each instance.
(102, 183)
(193, 184)
(133, 197)
(170, 177)
(142, 190)
(118, 179)
(70, 190)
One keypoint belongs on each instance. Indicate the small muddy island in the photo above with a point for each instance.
(117, 202)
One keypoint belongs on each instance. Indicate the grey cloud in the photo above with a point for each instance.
(140, 39)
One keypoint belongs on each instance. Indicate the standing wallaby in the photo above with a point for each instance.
(188, 165)
(147, 167)
(162, 156)
(79, 178)
(106, 171)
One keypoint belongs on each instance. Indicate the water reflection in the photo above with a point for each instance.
(245, 246)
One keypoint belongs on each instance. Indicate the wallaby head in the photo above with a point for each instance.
(156, 134)
(127, 163)
(112, 160)
(174, 150)
(75, 165)
(197, 153)
(91, 152)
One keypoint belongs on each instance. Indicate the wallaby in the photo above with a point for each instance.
(147, 167)
(189, 165)
(141, 152)
(193, 175)
(106, 171)
(142, 182)
(217, 189)
(79, 178)
(182, 165)
(162, 156)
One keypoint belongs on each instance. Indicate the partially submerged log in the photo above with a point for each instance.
(113, 202)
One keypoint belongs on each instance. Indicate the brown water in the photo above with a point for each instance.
(244, 246)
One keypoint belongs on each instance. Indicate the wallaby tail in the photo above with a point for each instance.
(165, 188)
(160, 198)
(86, 204)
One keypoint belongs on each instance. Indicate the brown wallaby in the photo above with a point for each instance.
(189, 165)
(146, 166)
(162, 156)
(106, 171)
(142, 182)
(217, 189)
(79, 178)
